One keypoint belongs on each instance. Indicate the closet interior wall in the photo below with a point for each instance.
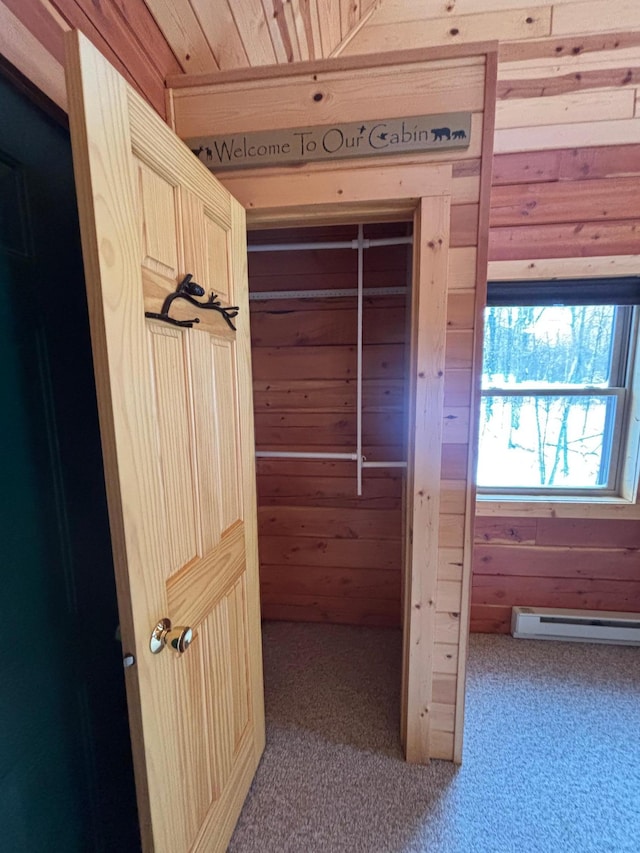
(326, 554)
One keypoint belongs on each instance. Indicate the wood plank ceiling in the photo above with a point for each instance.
(219, 35)
(212, 35)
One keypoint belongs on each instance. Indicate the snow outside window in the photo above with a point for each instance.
(554, 398)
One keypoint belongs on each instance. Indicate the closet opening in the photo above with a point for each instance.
(330, 328)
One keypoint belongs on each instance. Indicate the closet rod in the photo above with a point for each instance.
(286, 454)
(331, 244)
(325, 293)
(384, 464)
(351, 457)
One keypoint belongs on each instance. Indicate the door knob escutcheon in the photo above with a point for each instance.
(178, 638)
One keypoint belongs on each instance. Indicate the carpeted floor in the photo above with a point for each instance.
(551, 759)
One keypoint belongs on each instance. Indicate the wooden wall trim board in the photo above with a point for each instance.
(531, 138)
(372, 182)
(31, 37)
(426, 367)
(334, 97)
(565, 201)
(572, 46)
(612, 508)
(541, 268)
(480, 302)
(25, 51)
(44, 22)
(395, 58)
(557, 240)
(530, 83)
(566, 164)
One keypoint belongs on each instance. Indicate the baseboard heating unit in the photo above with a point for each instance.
(586, 626)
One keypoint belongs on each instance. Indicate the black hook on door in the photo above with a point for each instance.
(187, 289)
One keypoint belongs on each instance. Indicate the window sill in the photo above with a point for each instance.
(544, 507)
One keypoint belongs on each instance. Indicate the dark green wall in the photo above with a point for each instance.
(66, 779)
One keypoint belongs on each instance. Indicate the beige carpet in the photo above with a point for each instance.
(551, 761)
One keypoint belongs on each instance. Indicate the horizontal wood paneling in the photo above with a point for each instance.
(537, 561)
(568, 191)
(326, 553)
(587, 239)
(332, 581)
(341, 522)
(569, 134)
(583, 594)
(553, 562)
(566, 164)
(344, 96)
(564, 83)
(329, 551)
(336, 609)
(594, 106)
(565, 201)
(490, 619)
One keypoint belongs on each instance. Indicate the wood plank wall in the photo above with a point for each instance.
(551, 203)
(31, 38)
(553, 562)
(327, 554)
(418, 84)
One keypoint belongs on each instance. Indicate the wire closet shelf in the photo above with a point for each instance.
(360, 245)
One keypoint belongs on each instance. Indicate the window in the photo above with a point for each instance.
(555, 385)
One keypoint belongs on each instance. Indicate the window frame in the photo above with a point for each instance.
(623, 448)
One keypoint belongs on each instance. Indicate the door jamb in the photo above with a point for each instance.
(271, 202)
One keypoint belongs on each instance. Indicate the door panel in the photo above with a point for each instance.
(169, 374)
(178, 444)
(158, 211)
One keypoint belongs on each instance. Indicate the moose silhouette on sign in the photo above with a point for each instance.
(203, 150)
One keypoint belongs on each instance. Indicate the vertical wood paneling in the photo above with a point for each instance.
(216, 239)
(225, 393)
(216, 19)
(319, 540)
(169, 362)
(207, 447)
(250, 20)
(192, 720)
(279, 35)
(426, 366)
(237, 636)
(158, 207)
(181, 28)
(214, 635)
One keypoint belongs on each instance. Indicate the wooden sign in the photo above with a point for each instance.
(333, 141)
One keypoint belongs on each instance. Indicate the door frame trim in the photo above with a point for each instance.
(422, 194)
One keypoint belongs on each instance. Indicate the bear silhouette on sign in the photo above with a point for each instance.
(440, 133)
(459, 134)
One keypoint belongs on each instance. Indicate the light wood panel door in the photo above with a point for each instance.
(177, 430)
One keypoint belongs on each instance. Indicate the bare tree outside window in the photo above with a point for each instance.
(553, 396)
